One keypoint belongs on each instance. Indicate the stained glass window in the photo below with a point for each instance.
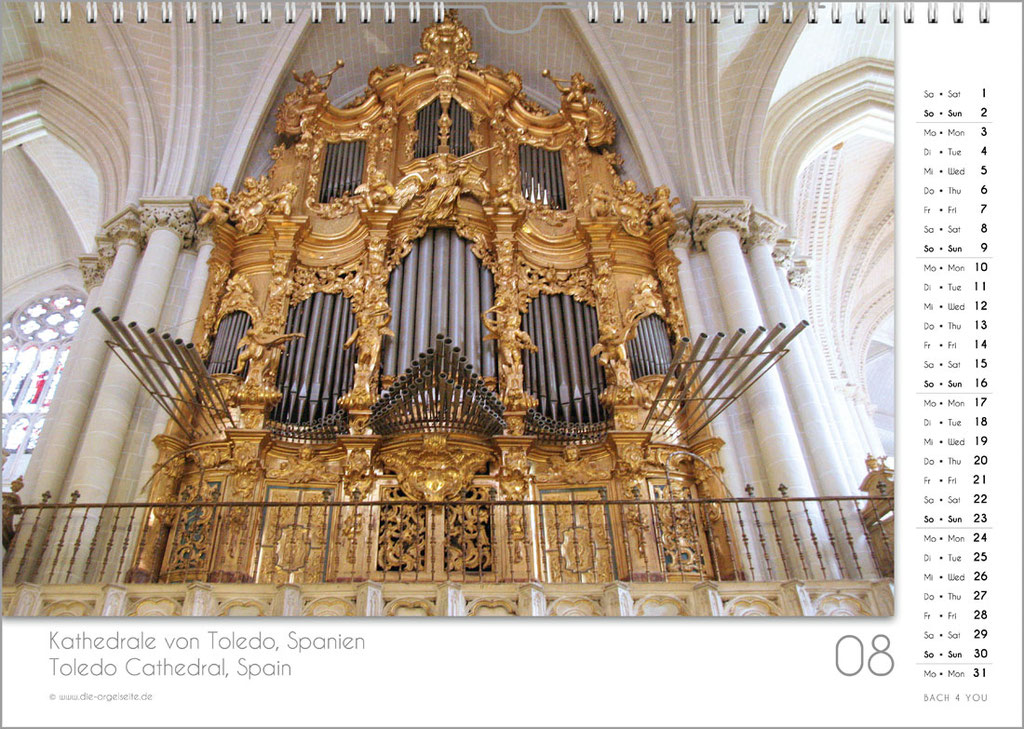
(36, 341)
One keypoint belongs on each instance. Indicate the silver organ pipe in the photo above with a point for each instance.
(315, 370)
(540, 175)
(439, 293)
(440, 286)
(455, 301)
(224, 351)
(426, 128)
(576, 381)
(649, 350)
(462, 123)
(427, 140)
(471, 300)
(489, 353)
(343, 169)
(562, 375)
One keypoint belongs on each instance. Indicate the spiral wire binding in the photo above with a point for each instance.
(191, 12)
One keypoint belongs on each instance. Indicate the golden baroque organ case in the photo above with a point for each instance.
(442, 298)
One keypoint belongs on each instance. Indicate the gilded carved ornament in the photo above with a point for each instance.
(447, 46)
(249, 207)
(369, 298)
(638, 213)
(589, 115)
(571, 468)
(431, 469)
(307, 466)
(215, 287)
(611, 346)
(438, 182)
(247, 468)
(505, 329)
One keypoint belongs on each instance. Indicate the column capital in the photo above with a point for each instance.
(712, 214)
(782, 253)
(124, 229)
(173, 214)
(800, 273)
(764, 230)
(93, 270)
(682, 239)
(204, 238)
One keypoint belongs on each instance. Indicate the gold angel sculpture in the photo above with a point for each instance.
(218, 207)
(256, 345)
(441, 179)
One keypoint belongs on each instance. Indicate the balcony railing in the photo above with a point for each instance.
(554, 540)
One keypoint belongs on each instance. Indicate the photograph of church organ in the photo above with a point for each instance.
(447, 361)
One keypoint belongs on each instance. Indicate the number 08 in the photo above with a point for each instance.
(850, 656)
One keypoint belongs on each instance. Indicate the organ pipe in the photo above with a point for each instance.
(427, 141)
(315, 370)
(562, 375)
(649, 351)
(224, 352)
(540, 173)
(439, 287)
(343, 169)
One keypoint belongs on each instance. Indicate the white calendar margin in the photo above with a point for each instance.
(696, 672)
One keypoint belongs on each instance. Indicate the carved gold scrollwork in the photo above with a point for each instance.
(432, 468)
(467, 534)
(309, 280)
(306, 467)
(402, 537)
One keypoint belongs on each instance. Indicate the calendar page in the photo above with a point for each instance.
(332, 328)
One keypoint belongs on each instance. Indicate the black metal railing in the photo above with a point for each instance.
(556, 540)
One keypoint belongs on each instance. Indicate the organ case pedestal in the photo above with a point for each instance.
(552, 275)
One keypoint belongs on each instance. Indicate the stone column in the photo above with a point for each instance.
(681, 245)
(832, 477)
(861, 402)
(167, 226)
(109, 276)
(183, 329)
(719, 227)
(849, 442)
(804, 343)
(196, 286)
(168, 223)
(847, 394)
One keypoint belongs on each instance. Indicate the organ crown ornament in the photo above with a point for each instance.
(447, 46)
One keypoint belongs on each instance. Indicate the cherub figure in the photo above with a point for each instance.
(660, 206)
(310, 97)
(574, 90)
(602, 204)
(256, 344)
(505, 195)
(376, 190)
(632, 208)
(251, 205)
(218, 207)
